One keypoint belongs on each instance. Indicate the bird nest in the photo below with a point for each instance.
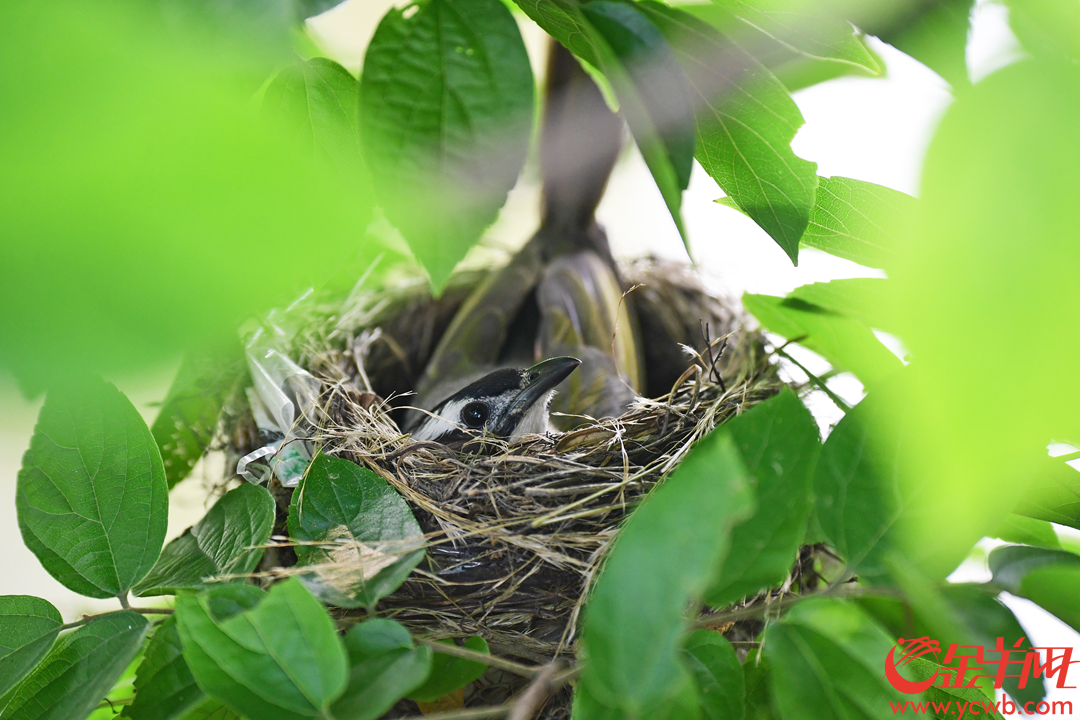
(515, 531)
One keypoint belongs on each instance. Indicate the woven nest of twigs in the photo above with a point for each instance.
(516, 531)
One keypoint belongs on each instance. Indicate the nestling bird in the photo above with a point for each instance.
(508, 403)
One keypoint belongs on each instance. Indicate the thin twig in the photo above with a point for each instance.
(489, 660)
(90, 618)
(526, 704)
(817, 381)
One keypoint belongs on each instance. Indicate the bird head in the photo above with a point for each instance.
(507, 403)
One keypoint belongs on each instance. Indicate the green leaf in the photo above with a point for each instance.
(920, 669)
(564, 21)
(1054, 495)
(225, 542)
(826, 658)
(92, 498)
(80, 670)
(318, 103)
(446, 111)
(845, 343)
(164, 686)
(653, 95)
(866, 300)
(1027, 531)
(1012, 563)
(384, 667)
(286, 642)
(367, 532)
(718, 675)
(759, 701)
(662, 561)
(188, 417)
(794, 26)
(933, 33)
(448, 673)
(211, 709)
(1047, 28)
(778, 441)
(311, 8)
(858, 498)
(1055, 589)
(858, 221)
(682, 704)
(745, 123)
(28, 627)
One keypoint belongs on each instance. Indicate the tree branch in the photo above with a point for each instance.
(90, 618)
(489, 660)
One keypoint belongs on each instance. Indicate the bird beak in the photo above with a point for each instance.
(539, 380)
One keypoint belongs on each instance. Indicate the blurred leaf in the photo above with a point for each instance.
(446, 110)
(1055, 589)
(681, 705)
(758, 698)
(778, 441)
(717, 673)
(1026, 531)
(844, 342)
(663, 559)
(28, 628)
(385, 666)
(287, 642)
(311, 8)
(211, 709)
(188, 417)
(857, 491)
(318, 102)
(745, 123)
(448, 673)
(935, 34)
(858, 221)
(920, 669)
(653, 94)
(826, 658)
(91, 496)
(866, 300)
(80, 670)
(260, 28)
(1054, 494)
(180, 212)
(367, 533)
(796, 27)
(1012, 563)
(225, 542)
(164, 686)
(1047, 28)
(1002, 167)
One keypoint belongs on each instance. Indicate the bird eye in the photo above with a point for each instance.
(475, 414)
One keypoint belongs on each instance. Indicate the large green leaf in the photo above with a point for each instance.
(80, 670)
(662, 562)
(1055, 589)
(718, 675)
(653, 93)
(745, 123)
(934, 33)
(1027, 531)
(1047, 28)
(779, 444)
(92, 497)
(28, 627)
(795, 26)
(225, 542)
(211, 709)
(1054, 494)
(844, 342)
(1012, 563)
(857, 491)
(448, 673)
(279, 660)
(564, 21)
(866, 300)
(365, 538)
(385, 666)
(164, 687)
(318, 102)
(188, 417)
(827, 662)
(446, 109)
(858, 221)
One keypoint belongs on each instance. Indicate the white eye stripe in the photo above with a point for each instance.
(442, 420)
